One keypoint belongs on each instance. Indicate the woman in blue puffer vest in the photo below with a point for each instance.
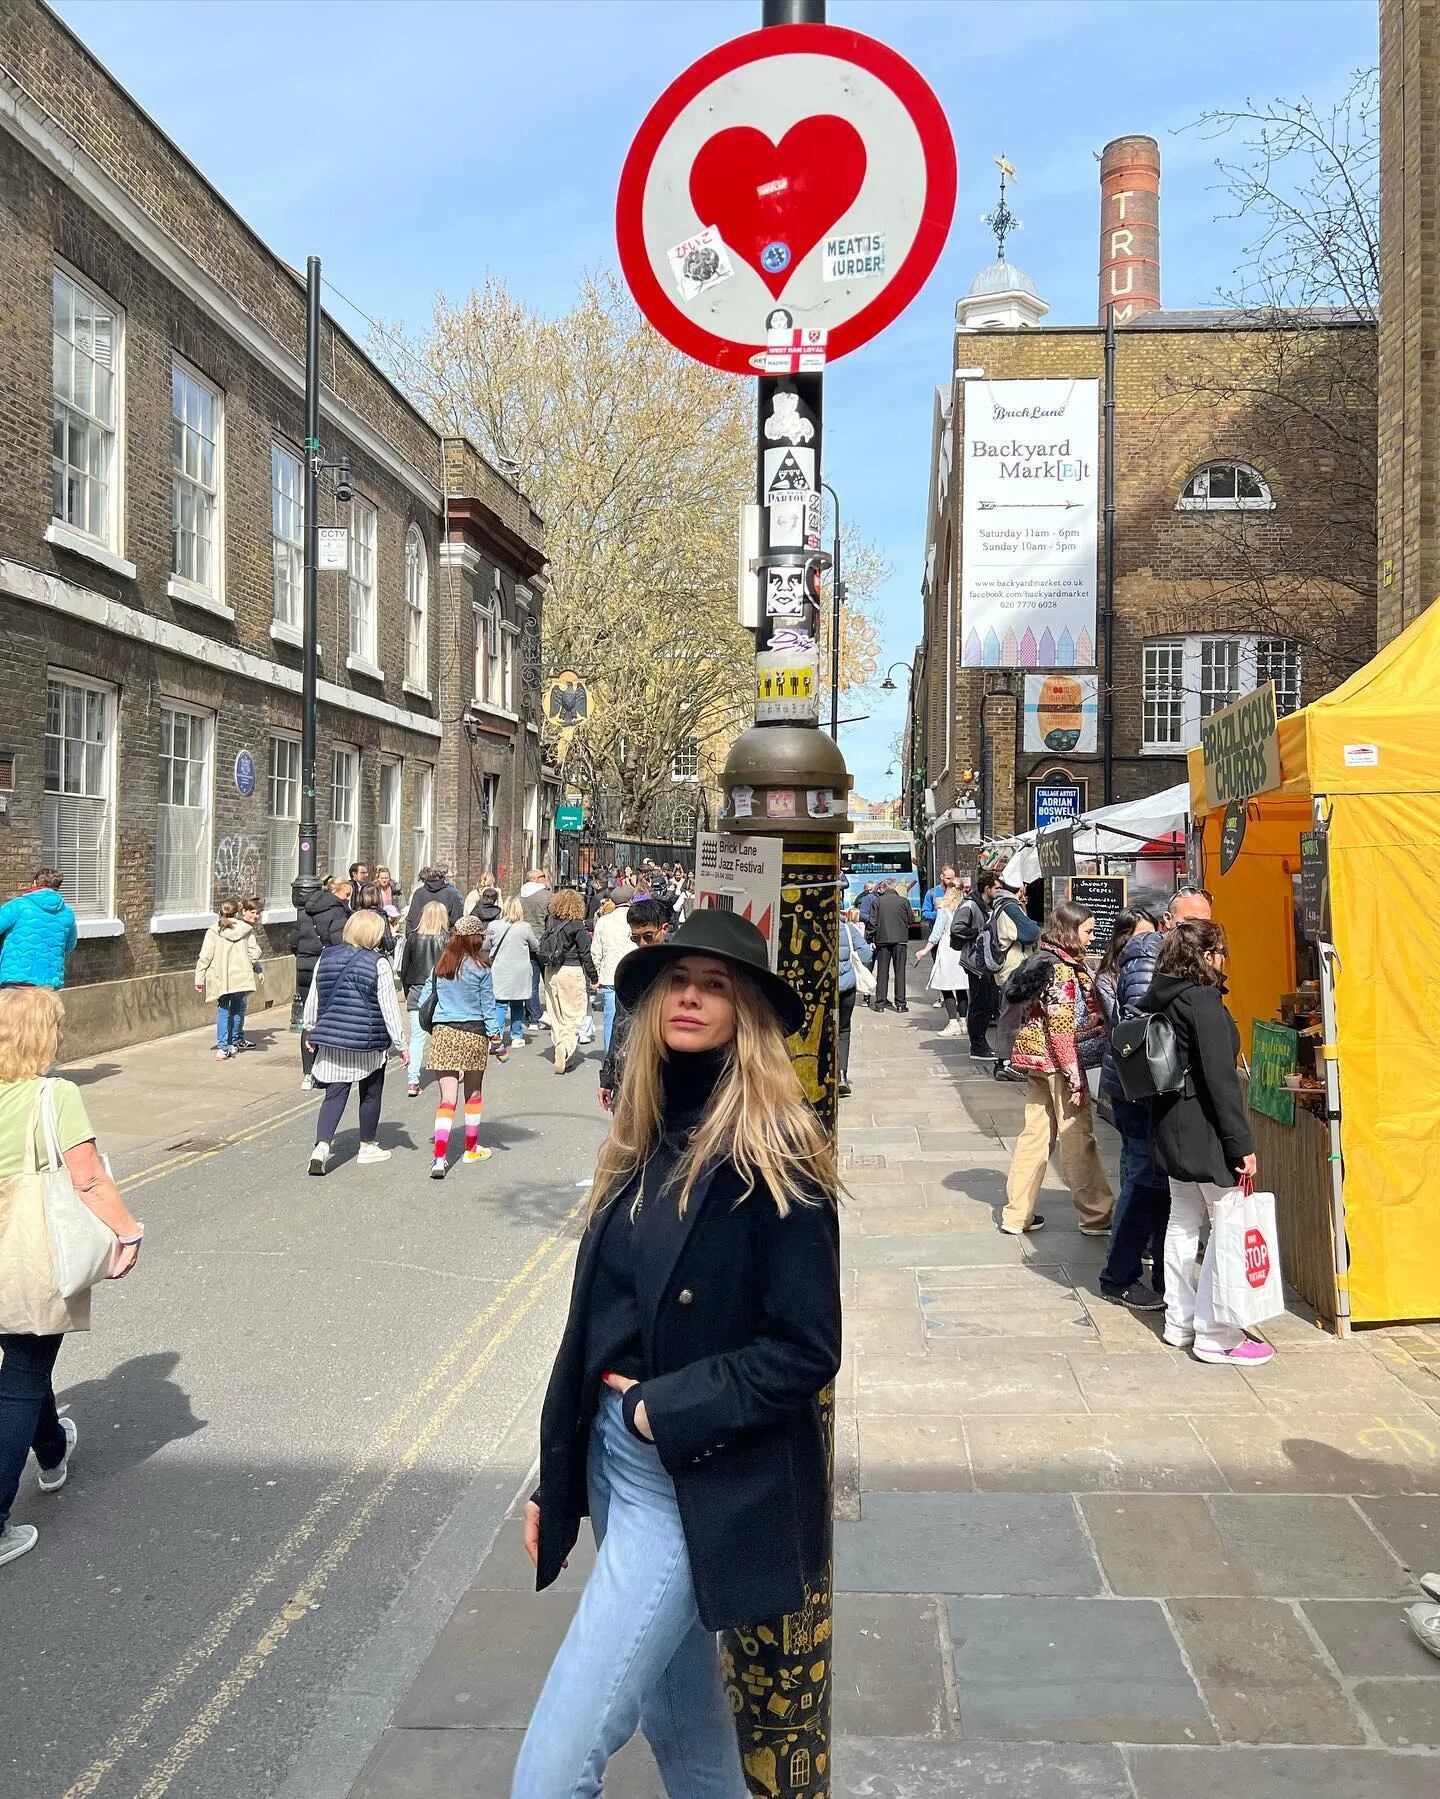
(353, 1020)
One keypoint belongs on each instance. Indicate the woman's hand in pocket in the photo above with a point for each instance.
(622, 1385)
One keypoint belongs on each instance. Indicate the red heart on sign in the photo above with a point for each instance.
(758, 194)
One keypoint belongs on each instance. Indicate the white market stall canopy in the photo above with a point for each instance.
(1118, 830)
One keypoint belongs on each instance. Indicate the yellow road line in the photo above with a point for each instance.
(298, 1606)
(173, 1164)
(225, 1621)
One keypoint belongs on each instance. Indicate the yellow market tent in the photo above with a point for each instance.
(1364, 762)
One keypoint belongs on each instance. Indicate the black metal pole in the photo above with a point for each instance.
(835, 603)
(1107, 615)
(306, 882)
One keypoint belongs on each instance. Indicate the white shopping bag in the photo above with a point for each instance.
(1246, 1249)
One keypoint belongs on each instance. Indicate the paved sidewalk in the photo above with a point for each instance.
(1071, 1563)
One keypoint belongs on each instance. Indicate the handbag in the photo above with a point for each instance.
(864, 976)
(426, 1013)
(82, 1246)
(1147, 1056)
(1246, 1279)
(31, 1303)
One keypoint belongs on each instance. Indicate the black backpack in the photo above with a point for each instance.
(555, 944)
(1147, 1056)
(967, 931)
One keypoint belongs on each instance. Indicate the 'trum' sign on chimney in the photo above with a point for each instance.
(1130, 227)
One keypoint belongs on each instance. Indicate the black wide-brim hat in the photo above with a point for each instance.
(710, 933)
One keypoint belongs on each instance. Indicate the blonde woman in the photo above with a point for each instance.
(30, 1019)
(353, 1020)
(567, 964)
(682, 1412)
(512, 948)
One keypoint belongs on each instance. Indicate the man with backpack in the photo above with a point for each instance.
(967, 933)
(1010, 935)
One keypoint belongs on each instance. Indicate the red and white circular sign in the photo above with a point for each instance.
(799, 176)
(1257, 1258)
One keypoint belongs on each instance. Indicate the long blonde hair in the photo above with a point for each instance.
(30, 1020)
(434, 921)
(757, 1119)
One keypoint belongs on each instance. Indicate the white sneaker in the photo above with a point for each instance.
(372, 1152)
(952, 1029)
(223, 1055)
(52, 1479)
(320, 1158)
(437, 1169)
(308, 1083)
(1424, 1621)
(17, 1540)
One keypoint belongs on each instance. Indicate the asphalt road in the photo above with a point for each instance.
(279, 1412)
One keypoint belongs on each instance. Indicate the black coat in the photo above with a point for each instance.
(435, 888)
(565, 943)
(421, 951)
(890, 918)
(740, 1311)
(1203, 1132)
(321, 923)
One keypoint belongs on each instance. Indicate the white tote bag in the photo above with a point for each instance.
(864, 977)
(82, 1246)
(1246, 1250)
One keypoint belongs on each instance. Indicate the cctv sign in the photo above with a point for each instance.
(332, 547)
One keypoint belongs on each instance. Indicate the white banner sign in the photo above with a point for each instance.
(1031, 454)
(332, 547)
(741, 874)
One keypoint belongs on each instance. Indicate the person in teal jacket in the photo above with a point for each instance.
(37, 933)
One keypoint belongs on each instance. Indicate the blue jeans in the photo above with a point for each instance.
(609, 1002)
(636, 1651)
(514, 1014)
(418, 1040)
(230, 1019)
(537, 1002)
(28, 1419)
(1142, 1206)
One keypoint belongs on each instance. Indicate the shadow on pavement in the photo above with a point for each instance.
(149, 1394)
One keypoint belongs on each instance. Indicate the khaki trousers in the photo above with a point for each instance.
(1050, 1116)
(565, 1004)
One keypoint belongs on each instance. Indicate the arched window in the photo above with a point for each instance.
(417, 601)
(1225, 487)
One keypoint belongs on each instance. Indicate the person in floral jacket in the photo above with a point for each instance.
(1062, 1033)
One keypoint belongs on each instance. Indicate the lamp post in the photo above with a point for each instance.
(888, 686)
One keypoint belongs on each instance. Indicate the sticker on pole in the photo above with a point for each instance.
(742, 875)
(806, 168)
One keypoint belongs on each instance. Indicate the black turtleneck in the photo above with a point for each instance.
(614, 1339)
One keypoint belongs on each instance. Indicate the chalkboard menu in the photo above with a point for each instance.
(1105, 896)
(1314, 886)
(1232, 833)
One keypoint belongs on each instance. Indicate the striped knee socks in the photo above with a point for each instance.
(444, 1118)
(474, 1105)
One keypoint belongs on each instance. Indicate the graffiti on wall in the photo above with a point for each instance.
(237, 867)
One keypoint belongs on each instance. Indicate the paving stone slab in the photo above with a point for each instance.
(1011, 1381)
(1073, 1670)
(901, 1768)
(1369, 1637)
(949, 1142)
(896, 1331)
(1153, 1546)
(1307, 1548)
(1354, 1382)
(914, 1455)
(1262, 1677)
(883, 1141)
(1326, 1452)
(982, 1249)
(1175, 1384)
(1120, 1453)
(926, 1221)
(489, 1663)
(964, 1543)
(1022, 1278)
(1411, 1527)
(1293, 1773)
(1405, 1713)
(886, 1287)
(888, 1673)
(1037, 1311)
(881, 1194)
(478, 1764)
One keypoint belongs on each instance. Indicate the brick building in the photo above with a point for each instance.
(151, 431)
(1409, 311)
(1244, 538)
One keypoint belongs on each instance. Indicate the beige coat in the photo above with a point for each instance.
(229, 957)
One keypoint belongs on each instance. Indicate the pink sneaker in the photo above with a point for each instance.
(1248, 1354)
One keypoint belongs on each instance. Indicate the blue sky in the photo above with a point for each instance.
(419, 144)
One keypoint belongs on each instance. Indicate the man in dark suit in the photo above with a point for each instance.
(890, 929)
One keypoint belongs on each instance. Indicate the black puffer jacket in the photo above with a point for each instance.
(321, 924)
(1203, 1132)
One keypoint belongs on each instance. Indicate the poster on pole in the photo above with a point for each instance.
(741, 874)
(1031, 456)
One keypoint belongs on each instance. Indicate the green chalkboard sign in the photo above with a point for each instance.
(1274, 1053)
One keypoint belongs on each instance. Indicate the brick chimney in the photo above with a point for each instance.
(1130, 227)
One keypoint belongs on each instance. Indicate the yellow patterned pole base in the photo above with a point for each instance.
(777, 1674)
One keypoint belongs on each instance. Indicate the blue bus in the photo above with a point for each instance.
(880, 854)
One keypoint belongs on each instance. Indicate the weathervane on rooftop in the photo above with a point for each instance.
(1002, 221)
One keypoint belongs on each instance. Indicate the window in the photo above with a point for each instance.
(282, 847)
(1186, 679)
(532, 825)
(78, 817)
(686, 763)
(1225, 487)
(287, 536)
(344, 781)
(387, 825)
(490, 819)
(363, 521)
(86, 349)
(420, 829)
(417, 584)
(195, 480)
(182, 826)
(489, 665)
(507, 667)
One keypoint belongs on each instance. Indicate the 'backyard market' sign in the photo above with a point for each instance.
(1240, 749)
(1274, 1053)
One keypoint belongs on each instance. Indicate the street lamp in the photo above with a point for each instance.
(888, 686)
